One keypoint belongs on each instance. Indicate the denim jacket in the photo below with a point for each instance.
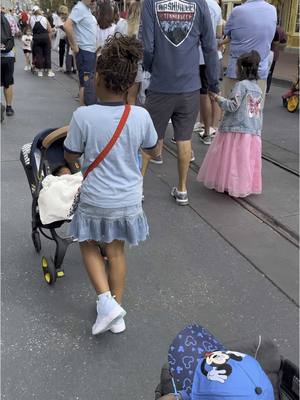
(243, 109)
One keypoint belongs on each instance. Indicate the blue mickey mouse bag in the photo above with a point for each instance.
(185, 352)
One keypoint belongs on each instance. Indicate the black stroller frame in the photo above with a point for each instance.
(39, 159)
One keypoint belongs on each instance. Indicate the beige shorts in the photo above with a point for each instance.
(228, 84)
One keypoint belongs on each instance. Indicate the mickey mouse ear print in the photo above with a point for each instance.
(185, 352)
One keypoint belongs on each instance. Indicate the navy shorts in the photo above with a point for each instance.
(86, 62)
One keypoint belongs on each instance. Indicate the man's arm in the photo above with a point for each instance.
(147, 34)
(219, 32)
(68, 27)
(209, 49)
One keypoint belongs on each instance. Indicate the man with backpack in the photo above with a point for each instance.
(7, 63)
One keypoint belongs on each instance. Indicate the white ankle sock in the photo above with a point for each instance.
(181, 192)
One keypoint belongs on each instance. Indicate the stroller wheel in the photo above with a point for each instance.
(293, 103)
(36, 241)
(49, 271)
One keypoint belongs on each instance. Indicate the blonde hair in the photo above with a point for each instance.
(63, 10)
(134, 16)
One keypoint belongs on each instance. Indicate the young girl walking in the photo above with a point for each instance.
(27, 43)
(233, 162)
(110, 206)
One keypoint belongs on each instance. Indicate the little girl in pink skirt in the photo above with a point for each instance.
(233, 162)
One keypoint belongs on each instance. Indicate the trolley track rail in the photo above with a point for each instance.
(268, 219)
(280, 165)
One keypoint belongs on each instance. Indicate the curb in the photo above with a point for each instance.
(282, 82)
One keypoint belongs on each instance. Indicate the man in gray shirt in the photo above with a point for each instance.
(171, 33)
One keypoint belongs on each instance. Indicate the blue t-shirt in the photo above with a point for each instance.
(117, 180)
(251, 26)
(85, 27)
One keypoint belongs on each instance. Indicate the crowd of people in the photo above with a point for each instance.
(176, 47)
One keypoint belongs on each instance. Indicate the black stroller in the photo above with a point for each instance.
(41, 158)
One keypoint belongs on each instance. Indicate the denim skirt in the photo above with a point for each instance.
(108, 224)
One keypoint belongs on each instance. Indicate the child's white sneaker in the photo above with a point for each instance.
(118, 326)
(40, 74)
(108, 310)
(51, 73)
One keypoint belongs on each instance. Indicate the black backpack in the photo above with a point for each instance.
(7, 39)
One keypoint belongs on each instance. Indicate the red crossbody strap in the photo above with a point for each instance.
(112, 141)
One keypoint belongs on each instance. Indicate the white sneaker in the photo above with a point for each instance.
(118, 326)
(108, 310)
(206, 139)
(26, 68)
(40, 74)
(192, 156)
(198, 126)
(212, 132)
(51, 74)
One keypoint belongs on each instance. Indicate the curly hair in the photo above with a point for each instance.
(248, 64)
(118, 62)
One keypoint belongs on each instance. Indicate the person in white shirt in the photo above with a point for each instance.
(27, 42)
(209, 110)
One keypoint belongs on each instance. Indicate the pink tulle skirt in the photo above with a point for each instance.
(233, 164)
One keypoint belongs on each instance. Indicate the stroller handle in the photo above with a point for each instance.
(55, 135)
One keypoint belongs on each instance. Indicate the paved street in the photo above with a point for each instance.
(212, 262)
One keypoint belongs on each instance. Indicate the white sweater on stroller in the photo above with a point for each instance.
(57, 196)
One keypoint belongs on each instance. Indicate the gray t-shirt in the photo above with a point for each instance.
(117, 180)
(85, 27)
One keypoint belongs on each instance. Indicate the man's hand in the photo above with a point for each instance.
(213, 96)
(75, 49)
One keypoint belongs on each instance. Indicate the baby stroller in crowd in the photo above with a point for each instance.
(290, 99)
(39, 159)
(194, 343)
